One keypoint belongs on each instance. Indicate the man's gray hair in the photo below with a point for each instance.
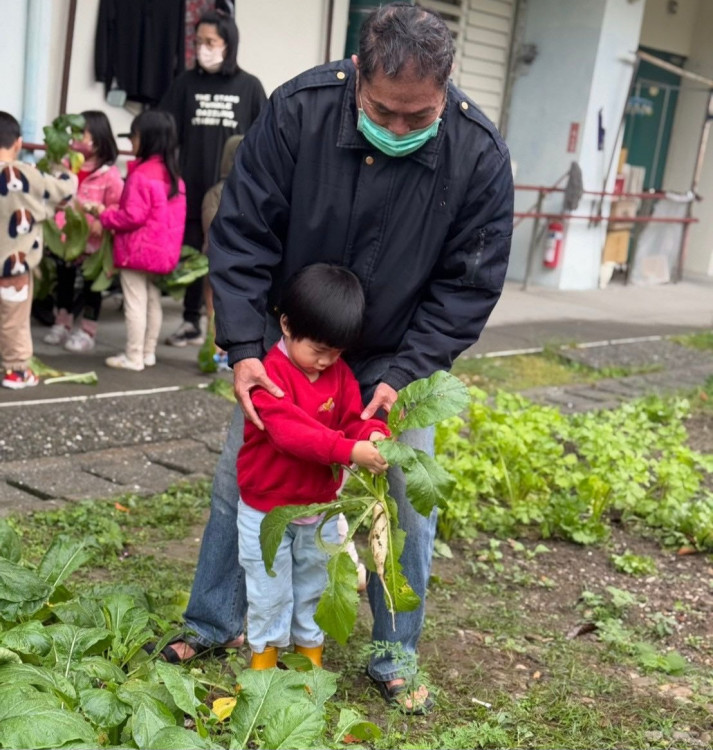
(399, 35)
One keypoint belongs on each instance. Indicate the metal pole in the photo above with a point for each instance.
(702, 143)
(67, 57)
(328, 40)
(533, 240)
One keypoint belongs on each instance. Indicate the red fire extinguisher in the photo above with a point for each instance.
(553, 244)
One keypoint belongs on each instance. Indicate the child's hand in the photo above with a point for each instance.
(366, 454)
(375, 436)
(94, 208)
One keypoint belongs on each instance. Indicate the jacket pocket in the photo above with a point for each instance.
(473, 259)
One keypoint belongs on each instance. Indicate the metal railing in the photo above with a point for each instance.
(538, 214)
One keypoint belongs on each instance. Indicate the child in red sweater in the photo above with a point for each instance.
(315, 425)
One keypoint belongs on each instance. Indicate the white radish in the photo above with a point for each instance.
(379, 546)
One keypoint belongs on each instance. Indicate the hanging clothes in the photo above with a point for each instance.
(139, 46)
(194, 10)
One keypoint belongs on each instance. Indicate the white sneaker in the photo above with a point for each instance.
(79, 341)
(58, 335)
(122, 362)
(149, 360)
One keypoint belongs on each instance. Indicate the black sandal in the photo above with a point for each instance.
(397, 695)
(169, 654)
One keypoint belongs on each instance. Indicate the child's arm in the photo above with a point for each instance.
(52, 190)
(293, 431)
(135, 207)
(114, 188)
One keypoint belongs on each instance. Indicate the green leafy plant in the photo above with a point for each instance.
(58, 136)
(69, 242)
(633, 564)
(192, 265)
(99, 266)
(519, 465)
(50, 375)
(422, 403)
(73, 673)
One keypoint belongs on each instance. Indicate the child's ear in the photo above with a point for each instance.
(284, 325)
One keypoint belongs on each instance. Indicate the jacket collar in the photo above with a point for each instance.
(350, 137)
(98, 172)
(136, 163)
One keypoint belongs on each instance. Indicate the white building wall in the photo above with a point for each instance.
(12, 43)
(613, 69)
(279, 39)
(690, 114)
(668, 31)
(583, 64)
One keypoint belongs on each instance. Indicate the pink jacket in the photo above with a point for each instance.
(148, 225)
(102, 186)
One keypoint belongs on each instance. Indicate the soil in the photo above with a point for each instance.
(497, 628)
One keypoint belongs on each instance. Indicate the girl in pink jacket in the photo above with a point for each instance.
(99, 184)
(148, 231)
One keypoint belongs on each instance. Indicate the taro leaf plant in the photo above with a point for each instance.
(420, 404)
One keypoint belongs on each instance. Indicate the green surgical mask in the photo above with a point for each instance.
(391, 144)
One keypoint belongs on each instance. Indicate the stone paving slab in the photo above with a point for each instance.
(13, 500)
(60, 478)
(131, 468)
(185, 456)
(59, 429)
(619, 388)
(214, 440)
(638, 355)
(587, 393)
(566, 401)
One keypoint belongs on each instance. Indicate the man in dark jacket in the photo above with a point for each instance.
(381, 164)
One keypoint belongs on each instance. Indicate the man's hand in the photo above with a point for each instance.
(375, 436)
(384, 398)
(247, 374)
(366, 454)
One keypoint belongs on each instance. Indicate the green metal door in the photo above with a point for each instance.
(649, 119)
(358, 11)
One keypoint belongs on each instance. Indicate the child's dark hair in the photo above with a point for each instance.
(9, 130)
(157, 134)
(324, 303)
(228, 32)
(97, 123)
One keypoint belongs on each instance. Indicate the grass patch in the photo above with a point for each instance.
(702, 340)
(520, 372)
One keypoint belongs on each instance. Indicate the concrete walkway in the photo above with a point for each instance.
(141, 432)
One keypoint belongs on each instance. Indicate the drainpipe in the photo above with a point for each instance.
(67, 56)
(328, 40)
(37, 49)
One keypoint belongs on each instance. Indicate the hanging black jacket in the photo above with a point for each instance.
(141, 44)
(428, 234)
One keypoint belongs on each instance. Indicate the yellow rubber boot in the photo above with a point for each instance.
(266, 660)
(314, 654)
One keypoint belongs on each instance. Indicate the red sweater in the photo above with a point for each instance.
(313, 426)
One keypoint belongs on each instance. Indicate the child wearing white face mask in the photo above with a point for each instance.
(211, 103)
